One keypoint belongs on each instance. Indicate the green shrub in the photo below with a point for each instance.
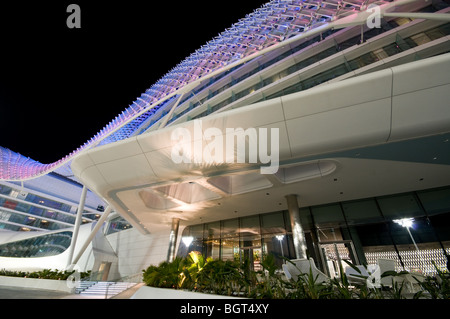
(43, 274)
(231, 277)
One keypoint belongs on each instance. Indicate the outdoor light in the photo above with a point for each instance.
(404, 222)
(407, 223)
(187, 240)
(280, 238)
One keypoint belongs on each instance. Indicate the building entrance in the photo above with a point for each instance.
(252, 255)
(333, 254)
(103, 272)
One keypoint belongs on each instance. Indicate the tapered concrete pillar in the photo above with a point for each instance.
(76, 227)
(297, 229)
(93, 233)
(173, 239)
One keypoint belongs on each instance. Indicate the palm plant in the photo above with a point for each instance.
(220, 277)
(192, 266)
(306, 286)
(437, 287)
(270, 284)
(165, 275)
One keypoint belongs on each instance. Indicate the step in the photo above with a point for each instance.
(104, 288)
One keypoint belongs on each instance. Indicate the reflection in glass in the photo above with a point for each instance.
(42, 246)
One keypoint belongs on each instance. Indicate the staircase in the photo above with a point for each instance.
(102, 289)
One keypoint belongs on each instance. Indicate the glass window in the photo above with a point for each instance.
(212, 247)
(441, 225)
(5, 190)
(212, 230)
(197, 231)
(365, 211)
(305, 218)
(46, 245)
(273, 223)
(392, 49)
(230, 248)
(117, 224)
(400, 206)
(230, 228)
(380, 54)
(185, 243)
(249, 227)
(435, 201)
(277, 245)
(420, 38)
(374, 234)
(328, 215)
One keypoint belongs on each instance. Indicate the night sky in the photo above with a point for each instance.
(60, 86)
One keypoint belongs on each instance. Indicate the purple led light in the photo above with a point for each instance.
(272, 23)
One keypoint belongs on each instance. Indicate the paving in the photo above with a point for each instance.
(8, 292)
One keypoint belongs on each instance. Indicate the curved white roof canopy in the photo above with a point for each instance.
(141, 180)
(275, 24)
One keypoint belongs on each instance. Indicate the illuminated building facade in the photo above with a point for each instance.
(363, 119)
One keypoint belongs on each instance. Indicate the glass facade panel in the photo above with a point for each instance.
(250, 226)
(230, 239)
(212, 230)
(400, 206)
(212, 239)
(196, 232)
(230, 248)
(47, 213)
(328, 215)
(398, 46)
(435, 201)
(361, 212)
(273, 223)
(441, 225)
(5, 190)
(364, 227)
(42, 246)
(230, 228)
(117, 224)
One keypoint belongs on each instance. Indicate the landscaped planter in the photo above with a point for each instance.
(36, 283)
(146, 292)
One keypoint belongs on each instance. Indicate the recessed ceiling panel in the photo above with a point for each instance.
(188, 193)
(154, 201)
(238, 184)
(307, 171)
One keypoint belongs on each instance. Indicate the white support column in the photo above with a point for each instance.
(173, 239)
(297, 229)
(77, 225)
(100, 222)
(169, 116)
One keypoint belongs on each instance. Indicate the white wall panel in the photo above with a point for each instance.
(107, 153)
(421, 113)
(352, 91)
(358, 125)
(136, 251)
(126, 171)
(267, 112)
(422, 74)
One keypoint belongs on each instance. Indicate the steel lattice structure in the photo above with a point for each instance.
(268, 26)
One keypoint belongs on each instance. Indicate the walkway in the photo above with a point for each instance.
(7, 292)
